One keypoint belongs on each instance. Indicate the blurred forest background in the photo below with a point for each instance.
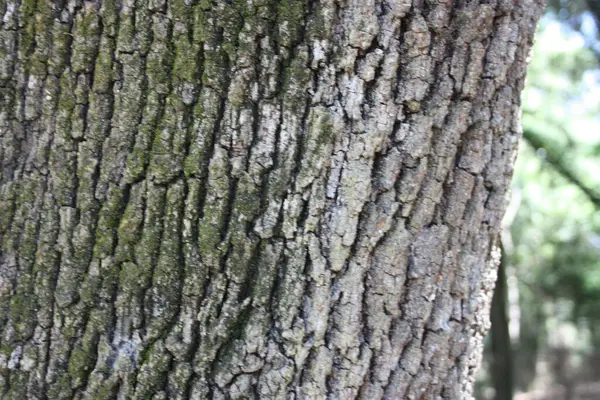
(545, 337)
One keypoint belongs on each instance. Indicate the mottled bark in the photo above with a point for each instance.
(253, 198)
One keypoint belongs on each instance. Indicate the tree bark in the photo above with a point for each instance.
(253, 198)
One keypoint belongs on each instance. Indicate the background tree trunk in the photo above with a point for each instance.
(253, 198)
(502, 366)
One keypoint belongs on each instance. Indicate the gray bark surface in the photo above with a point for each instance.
(253, 198)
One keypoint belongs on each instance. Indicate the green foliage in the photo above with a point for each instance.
(557, 226)
(555, 234)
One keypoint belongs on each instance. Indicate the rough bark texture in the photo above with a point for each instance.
(254, 198)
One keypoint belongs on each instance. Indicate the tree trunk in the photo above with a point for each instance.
(502, 368)
(253, 198)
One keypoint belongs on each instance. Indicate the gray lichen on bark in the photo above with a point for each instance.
(253, 198)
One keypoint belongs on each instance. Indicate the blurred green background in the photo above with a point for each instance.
(545, 337)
